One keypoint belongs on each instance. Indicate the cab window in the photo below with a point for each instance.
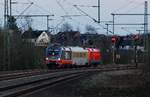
(66, 55)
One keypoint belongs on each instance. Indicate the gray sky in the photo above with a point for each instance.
(65, 7)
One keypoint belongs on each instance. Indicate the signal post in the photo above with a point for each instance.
(113, 40)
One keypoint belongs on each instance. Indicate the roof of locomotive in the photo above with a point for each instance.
(93, 49)
(77, 49)
(71, 48)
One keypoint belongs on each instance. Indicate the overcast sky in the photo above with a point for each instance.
(65, 7)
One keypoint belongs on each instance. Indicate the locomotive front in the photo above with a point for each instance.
(53, 55)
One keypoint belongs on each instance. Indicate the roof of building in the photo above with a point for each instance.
(31, 34)
(43, 38)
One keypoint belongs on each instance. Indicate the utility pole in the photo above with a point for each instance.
(6, 13)
(7, 16)
(99, 11)
(5, 26)
(146, 47)
(51, 27)
(47, 23)
(10, 3)
(114, 42)
(107, 28)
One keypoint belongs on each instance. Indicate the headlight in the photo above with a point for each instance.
(46, 58)
(58, 59)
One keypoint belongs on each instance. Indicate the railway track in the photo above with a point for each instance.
(21, 74)
(26, 73)
(20, 85)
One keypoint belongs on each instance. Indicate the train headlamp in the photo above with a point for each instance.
(46, 58)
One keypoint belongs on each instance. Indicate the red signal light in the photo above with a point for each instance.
(113, 39)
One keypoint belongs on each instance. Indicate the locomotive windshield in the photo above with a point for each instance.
(53, 54)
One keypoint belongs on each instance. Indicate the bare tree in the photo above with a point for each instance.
(66, 27)
(90, 29)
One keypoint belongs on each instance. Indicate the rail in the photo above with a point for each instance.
(22, 85)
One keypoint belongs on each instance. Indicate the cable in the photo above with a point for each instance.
(91, 18)
(69, 3)
(87, 6)
(135, 1)
(128, 4)
(62, 7)
(135, 7)
(123, 7)
(41, 8)
(76, 21)
(84, 13)
(126, 30)
(29, 1)
(62, 20)
(25, 9)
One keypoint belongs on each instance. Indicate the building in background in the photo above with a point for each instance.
(39, 38)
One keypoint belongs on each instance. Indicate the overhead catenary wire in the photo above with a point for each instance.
(15, 2)
(66, 15)
(31, 3)
(70, 1)
(35, 4)
(25, 9)
(41, 8)
(125, 29)
(71, 18)
(61, 6)
(82, 12)
(85, 13)
(95, 21)
(135, 6)
(87, 6)
(124, 6)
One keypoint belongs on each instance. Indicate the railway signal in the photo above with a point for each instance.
(117, 41)
(113, 40)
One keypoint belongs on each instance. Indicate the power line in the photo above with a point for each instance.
(99, 11)
(126, 5)
(85, 13)
(133, 14)
(134, 7)
(87, 6)
(95, 21)
(26, 9)
(127, 24)
(126, 30)
(41, 8)
(73, 15)
(61, 7)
